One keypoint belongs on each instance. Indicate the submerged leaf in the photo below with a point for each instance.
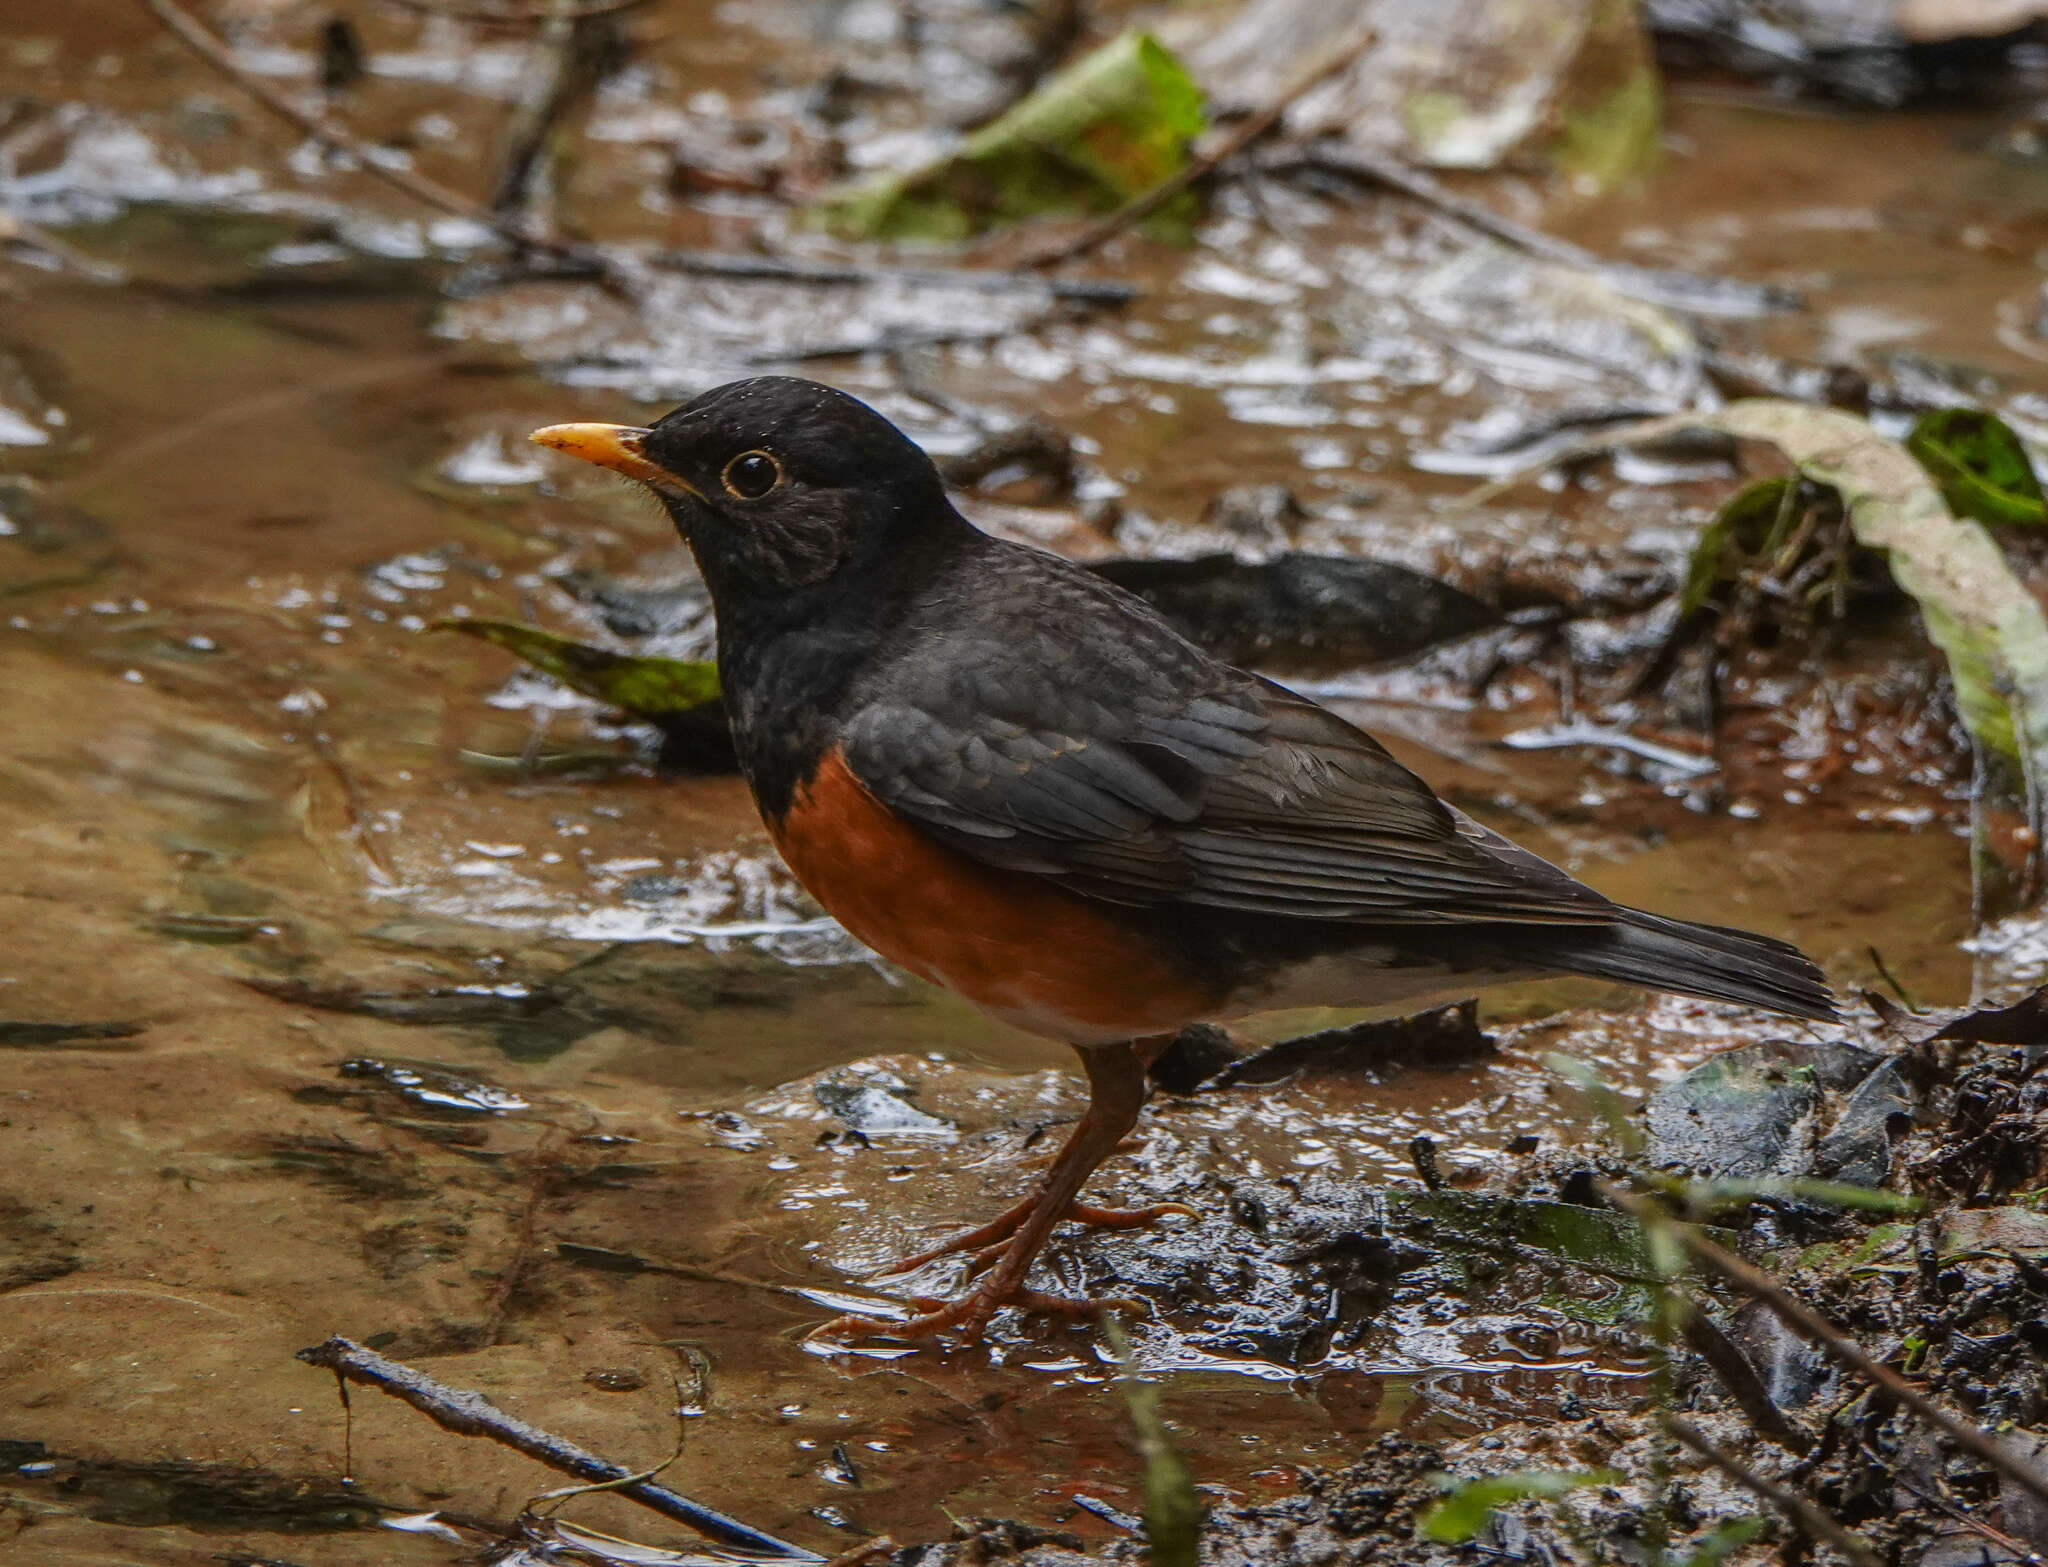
(652, 688)
(1461, 1515)
(1108, 128)
(1982, 468)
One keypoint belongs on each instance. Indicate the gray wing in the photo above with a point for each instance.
(1108, 774)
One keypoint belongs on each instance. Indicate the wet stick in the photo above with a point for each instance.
(605, 1260)
(574, 53)
(471, 1414)
(217, 54)
(518, 15)
(1810, 1517)
(1739, 1378)
(783, 269)
(880, 1545)
(1810, 1326)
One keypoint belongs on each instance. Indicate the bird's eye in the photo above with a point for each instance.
(752, 475)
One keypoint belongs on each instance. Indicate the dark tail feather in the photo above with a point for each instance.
(1710, 961)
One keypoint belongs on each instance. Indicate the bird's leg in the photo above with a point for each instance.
(984, 1243)
(1117, 1090)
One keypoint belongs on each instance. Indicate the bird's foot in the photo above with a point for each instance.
(968, 1317)
(985, 1244)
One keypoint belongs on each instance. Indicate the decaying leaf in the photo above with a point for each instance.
(1982, 468)
(1110, 127)
(651, 688)
(2025, 1022)
(1455, 83)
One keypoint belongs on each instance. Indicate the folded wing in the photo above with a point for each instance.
(1245, 797)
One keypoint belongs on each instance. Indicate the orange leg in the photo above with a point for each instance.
(1117, 1090)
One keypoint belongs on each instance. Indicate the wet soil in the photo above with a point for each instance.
(232, 750)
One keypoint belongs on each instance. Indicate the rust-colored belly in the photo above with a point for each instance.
(1015, 944)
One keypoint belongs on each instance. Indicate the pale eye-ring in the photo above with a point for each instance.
(751, 475)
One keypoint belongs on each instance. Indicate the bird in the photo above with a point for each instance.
(1015, 780)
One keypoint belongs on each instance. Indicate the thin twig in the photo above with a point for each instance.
(888, 342)
(355, 808)
(202, 42)
(2020, 1551)
(469, 1413)
(1815, 1520)
(607, 1260)
(37, 246)
(518, 16)
(1805, 1322)
(568, 61)
(1239, 137)
(262, 405)
(780, 269)
(1680, 290)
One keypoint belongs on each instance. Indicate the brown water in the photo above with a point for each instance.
(230, 749)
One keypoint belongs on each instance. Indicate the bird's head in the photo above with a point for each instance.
(776, 484)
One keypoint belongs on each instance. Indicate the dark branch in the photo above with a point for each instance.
(471, 1414)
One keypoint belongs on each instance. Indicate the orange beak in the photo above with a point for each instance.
(614, 446)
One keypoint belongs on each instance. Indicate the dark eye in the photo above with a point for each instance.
(752, 475)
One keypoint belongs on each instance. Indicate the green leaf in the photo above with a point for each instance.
(1610, 106)
(1738, 531)
(1472, 1234)
(1723, 1541)
(1982, 468)
(1173, 1513)
(1708, 1196)
(1462, 1514)
(1982, 618)
(1108, 128)
(645, 687)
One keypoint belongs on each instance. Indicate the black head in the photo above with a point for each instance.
(778, 485)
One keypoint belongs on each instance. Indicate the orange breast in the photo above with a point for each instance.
(1013, 943)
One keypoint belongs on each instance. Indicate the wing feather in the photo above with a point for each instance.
(1244, 797)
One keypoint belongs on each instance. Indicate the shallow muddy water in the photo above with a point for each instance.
(249, 797)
